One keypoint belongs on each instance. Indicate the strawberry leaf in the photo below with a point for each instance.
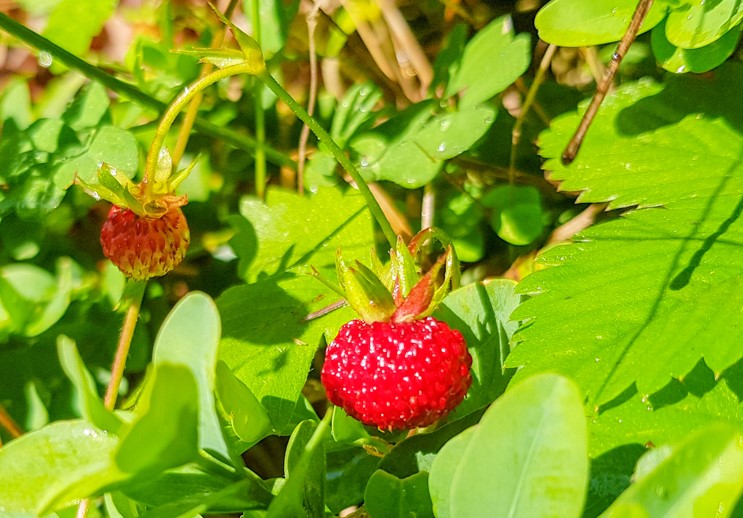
(659, 287)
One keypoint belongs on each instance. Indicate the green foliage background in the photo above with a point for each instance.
(607, 381)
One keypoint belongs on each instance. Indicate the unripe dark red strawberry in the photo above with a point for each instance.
(397, 376)
(144, 247)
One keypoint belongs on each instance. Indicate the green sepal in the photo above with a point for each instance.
(220, 58)
(405, 273)
(253, 56)
(365, 293)
(333, 286)
(114, 187)
(175, 180)
(420, 301)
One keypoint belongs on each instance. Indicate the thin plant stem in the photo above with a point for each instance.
(336, 151)
(260, 113)
(169, 117)
(125, 340)
(189, 117)
(304, 135)
(528, 102)
(7, 422)
(641, 11)
(41, 44)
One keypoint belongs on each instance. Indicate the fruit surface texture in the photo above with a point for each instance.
(397, 376)
(143, 247)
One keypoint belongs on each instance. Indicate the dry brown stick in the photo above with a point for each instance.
(305, 134)
(9, 424)
(571, 150)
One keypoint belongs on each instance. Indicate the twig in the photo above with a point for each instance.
(643, 6)
(305, 134)
(9, 423)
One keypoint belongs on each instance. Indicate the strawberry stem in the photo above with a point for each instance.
(337, 152)
(135, 290)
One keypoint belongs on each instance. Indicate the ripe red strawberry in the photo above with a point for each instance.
(397, 376)
(143, 247)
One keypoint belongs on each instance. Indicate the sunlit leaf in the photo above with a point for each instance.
(527, 457)
(658, 287)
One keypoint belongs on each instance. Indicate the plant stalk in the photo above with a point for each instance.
(641, 11)
(125, 341)
(41, 44)
(336, 151)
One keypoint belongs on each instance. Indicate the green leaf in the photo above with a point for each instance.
(89, 108)
(694, 25)
(32, 299)
(348, 471)
(74, 23)
(660, 283)
(441, 479)
(527, 457)
(492, 60)
(189, 337)
(517, 215)
(15, 103)
(55, 465)
(164, 433)
(580, 23)
(269, 345)
(671, 414)
(410, 148)
(92, 406)
(243, 411)
(703, 476)
(703, 59)
(354, 111)
(291, 230)
(481, 313)
(388, 496)
(189, 491)
(275, 21)
(303, 494)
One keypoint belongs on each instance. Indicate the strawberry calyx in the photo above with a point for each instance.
(150, 198)
(400, 291)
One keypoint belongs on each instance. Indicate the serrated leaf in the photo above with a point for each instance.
(657, 283)
(267, 342)
(702, 476)
(580, 23)
(527, 457)
(291, 230)
(671, 414)
(481, 313)
(491, 61)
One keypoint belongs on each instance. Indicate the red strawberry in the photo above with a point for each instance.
(143, 247)
(398, 367)
(397, 376)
